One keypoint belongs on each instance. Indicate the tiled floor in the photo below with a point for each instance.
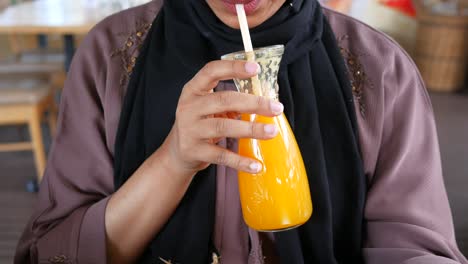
(15, 203)
(452, 119)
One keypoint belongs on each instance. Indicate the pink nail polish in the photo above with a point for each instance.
(255, 167)
(277, 107)
(270, 129)
(252, 67)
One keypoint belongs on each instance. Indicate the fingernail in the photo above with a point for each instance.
(252, 67)
(270, 129)
(255, 167)
(277, 107)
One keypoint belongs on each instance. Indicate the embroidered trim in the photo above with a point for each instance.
(130, 49)
(357, 75)
(165, 261)
(59, 259)
(216, 259)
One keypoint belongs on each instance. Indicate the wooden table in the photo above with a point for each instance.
(64, 17)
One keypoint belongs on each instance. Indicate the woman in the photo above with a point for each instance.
(130, 178)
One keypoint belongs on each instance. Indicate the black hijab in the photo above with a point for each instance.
(318, 103)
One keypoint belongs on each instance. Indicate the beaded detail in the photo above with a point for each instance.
(215, 259)
(165, 261)
(357, 76)
(59, 259)
(129, 50)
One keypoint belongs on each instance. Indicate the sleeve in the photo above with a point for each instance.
(68, 223)
(407, 213)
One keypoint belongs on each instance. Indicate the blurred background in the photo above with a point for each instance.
(38, 39)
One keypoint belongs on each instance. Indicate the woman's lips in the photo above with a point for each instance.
(249, 5)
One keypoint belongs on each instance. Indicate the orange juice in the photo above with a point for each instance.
(278, 197)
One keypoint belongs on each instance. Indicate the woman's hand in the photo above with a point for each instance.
(201, 119)
(190, 146)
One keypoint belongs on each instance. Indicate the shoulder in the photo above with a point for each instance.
(113, 44)
(103, 64)
(387, 67)
(127, 20)
(355, 34)
(383, 77)
(375, 49)
(115, 30)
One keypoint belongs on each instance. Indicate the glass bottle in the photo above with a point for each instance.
(278, 198)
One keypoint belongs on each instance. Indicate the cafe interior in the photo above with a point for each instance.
(38, 39)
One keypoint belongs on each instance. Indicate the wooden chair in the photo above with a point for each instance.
(28, 82)
(26, 95)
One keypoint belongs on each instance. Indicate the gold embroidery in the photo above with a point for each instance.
(59, 259)
(215, 259)
(165, 261)
(357, 76)
(128, 52)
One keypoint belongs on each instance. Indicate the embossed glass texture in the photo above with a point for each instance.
(277, 198)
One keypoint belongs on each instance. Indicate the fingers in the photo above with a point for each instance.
(230, 101)
(213, 72)
(223, 127)
(231, 115)
(201, 116)
(221, 156)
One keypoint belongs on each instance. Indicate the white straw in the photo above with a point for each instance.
(244, 27)
(250, 55)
